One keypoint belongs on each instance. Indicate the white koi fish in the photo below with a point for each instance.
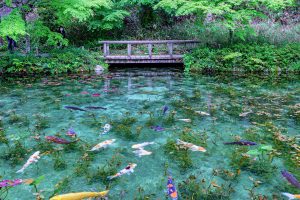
(142, 152)
(291, 196)
(106, 129)
(202, 113)
(185, 120)
(190, 146)
(141, 145)
(33, 158)
(103, 144)
(129, 169)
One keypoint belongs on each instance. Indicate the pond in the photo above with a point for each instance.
(169, 110)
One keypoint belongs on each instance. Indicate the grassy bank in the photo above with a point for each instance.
(59, 61)
(245, 57)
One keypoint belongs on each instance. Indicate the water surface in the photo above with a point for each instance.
(252, 108)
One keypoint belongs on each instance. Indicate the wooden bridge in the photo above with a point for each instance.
(162, 51)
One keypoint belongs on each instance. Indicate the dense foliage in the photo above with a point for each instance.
(242, 57)
(58, 61)
(40, 26)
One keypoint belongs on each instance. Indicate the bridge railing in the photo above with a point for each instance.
(169, 43)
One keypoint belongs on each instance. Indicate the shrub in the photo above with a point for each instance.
(56, 62)
(245, 57)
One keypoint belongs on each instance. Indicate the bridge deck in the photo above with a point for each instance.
(149, 58)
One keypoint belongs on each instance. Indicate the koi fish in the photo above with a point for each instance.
(165, 109)
(245, 114)
(185, 120)
(190, 146)
(80, 195)
(96, 95)
(106, 129)
(104, 144)
(142, 152)
(242, 142)
(141, 145)
(157, 128)
(74, 108)
(58, 140)
(10, 183)
(33, 158)
(202, 113)
(291, 196)
(95, 107)
(172, 192)
(71, 133)
(129, 169)
(290, 178)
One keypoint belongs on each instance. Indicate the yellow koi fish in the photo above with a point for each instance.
(80, 195)
(190, 146)
(291, 196)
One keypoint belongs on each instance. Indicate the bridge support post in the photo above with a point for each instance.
(170, 49)
(105, 49)
(150, 50)
(129, 50)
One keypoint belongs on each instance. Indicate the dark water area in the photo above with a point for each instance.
(160, 105)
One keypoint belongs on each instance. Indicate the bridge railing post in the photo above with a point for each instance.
(129, 50)
(170, 49)
(105, 49)
(150, 50)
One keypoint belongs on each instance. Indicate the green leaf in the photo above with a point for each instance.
(38, 180)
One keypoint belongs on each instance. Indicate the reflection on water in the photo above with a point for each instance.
(158, 106)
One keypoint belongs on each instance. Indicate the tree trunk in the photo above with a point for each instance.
(230, 36)
(28, 46)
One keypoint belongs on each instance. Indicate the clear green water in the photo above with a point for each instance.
(37, 108)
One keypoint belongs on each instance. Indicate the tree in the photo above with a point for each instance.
(236, 15)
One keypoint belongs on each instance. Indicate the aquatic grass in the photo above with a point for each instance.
(193, 188)
(180, 155)
(111, 167)
(141, 194)
(238, 158)
(197, 138)
(83, 164)
(41, 123)
(196, 95)
(62, 186)
(170, 118)
(3, 137)
(15, 154)
(58, 162)
(126, 132)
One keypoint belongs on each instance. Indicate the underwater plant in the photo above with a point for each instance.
(170, 118)
(59, 163)
(62, 186)
(180, 155)
(15, 153)
(3, 138)
(262, 163)
(102, 172)
(41, 122)
(83, 164)
(193, 188)
(141, 194)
